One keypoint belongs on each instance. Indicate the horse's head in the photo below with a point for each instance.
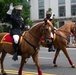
(43, 28)
(74, 29)
(46, 31)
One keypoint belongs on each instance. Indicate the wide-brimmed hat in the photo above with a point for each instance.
(18, 7)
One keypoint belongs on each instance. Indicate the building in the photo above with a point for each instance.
(64, 10)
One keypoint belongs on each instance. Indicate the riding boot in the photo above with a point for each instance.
(15, 56)
(51, 49)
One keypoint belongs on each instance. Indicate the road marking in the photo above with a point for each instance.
(24, 72)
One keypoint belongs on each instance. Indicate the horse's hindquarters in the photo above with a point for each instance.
(8, 48)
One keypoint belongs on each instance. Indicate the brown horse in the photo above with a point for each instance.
(28, 45)
(61, 39)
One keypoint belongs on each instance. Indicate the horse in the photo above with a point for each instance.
(29, 42)
(61, 39)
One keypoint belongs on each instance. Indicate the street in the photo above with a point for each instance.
(46, 62)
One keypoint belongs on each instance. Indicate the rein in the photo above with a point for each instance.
(62, 31)
(65, 31)
(61, 36)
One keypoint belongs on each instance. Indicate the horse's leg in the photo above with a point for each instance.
(55, 58)
(36, 61)
(21, 65)
(67, 55)
(2, 59)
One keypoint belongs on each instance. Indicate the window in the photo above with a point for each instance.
(61, 23)
(41, 8)
(41, 4)
(73, 10)
(73, 1)
(61, 1)
(61, 11)
(41, 13)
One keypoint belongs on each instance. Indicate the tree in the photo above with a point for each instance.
(3, 9)
(4, 6)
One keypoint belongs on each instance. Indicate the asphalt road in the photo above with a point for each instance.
(46, 59)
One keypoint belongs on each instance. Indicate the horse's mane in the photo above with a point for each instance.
(40, 23)
(66, 25)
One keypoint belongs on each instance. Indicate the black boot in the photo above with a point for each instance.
(51, 49)
(15, 56)
(51, 46)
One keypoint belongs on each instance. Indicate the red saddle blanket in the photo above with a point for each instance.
(8, 39)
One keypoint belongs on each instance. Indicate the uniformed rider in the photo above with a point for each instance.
(50, 16)
(17, 26)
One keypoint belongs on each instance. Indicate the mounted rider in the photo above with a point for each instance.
(50, 16)
(18, 25)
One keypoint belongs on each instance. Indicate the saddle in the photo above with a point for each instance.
(8, 39)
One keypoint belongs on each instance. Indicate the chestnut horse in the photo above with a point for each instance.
(28, 45)
(61, 39)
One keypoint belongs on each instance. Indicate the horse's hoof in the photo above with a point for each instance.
(73, 66)
(55, 65)
(4, 74)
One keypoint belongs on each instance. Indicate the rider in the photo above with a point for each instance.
(17, 26)
(50, 16)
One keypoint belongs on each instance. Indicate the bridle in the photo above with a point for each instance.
(43, 32)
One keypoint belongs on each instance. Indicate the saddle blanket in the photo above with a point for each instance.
(8, 39)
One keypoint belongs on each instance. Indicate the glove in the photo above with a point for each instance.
(55, 28)
(11, 6)
(10, 9)
(52, 16)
